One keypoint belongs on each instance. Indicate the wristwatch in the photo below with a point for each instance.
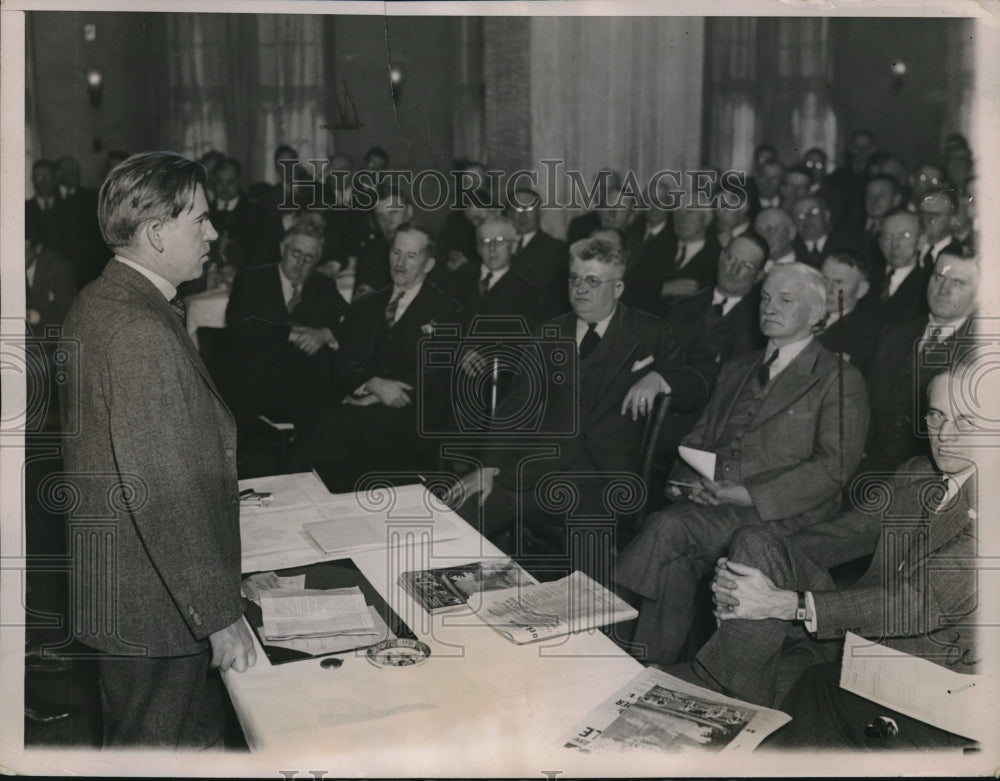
(800, 611)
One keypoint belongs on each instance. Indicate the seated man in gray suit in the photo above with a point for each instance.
(787, 433)
(780, 614)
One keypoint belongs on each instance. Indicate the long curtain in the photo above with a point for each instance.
(32, 136)
(243, 84)
(622, 93)
(767, 81)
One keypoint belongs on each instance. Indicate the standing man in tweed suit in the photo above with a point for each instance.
(151, 450)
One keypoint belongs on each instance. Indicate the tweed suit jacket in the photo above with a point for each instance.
(154, 461)
(920, 588)
(804, 440)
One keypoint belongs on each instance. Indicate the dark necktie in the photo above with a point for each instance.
(484, 283)
(928, 259)
(814, 255)
(764, 372)
(177, 304)
(296, 298)
(390, 310)
(590, 341)
(720, 308)
(520, 245)
(885, 290)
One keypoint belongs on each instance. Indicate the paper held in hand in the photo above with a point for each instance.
(701, 461)
(658, 712)
(528, 613)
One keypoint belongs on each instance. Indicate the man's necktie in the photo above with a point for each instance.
(484, 283)
(520, 245)
(928, 259)
(390, 310)
(296, 298)
(764, 372)
(885, 286)
(720, 307)
(681, 255)
(590, 341)
(177, 304)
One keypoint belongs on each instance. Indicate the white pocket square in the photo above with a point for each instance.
(642, 364)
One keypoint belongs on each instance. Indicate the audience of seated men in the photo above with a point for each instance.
(371, 422)
(285, 323)
(910, 353)
(625, 361)
(902, 293)
(539, 258)
(787, 425)
(848, 330)
(782, 619)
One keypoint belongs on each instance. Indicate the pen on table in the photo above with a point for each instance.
(246, 492)
(961, 688)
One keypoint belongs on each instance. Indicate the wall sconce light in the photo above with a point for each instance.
(396, 81)
(898, 71)
(95, 85)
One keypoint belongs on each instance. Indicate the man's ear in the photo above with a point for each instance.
(152, 231)
(429, 265)
(863, 289)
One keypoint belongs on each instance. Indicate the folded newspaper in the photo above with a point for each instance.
(315, 613)
(527, 613)
(656, 711)
(448, 589)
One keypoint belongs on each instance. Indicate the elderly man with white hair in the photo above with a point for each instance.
(785, 427)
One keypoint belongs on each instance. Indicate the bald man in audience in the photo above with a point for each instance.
(786, 426)
(781, 618)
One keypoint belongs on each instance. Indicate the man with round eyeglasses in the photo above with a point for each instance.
(902, 293)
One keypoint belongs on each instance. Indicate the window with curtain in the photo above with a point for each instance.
(766, 81)
(245, 83)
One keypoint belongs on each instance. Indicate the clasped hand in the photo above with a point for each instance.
(742, 591)
(712, 493)
(310, 340)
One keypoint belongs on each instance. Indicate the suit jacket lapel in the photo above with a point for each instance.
(789, 386)
(621, 347)
(949, 524)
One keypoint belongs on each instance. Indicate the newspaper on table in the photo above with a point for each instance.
(308, 613)
(656, 711)
(527, 613)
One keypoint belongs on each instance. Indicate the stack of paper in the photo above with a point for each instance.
(290, 615)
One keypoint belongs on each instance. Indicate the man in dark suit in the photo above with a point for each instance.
(910, 353)
(777, 228)
(848, 330)
(155, 446)
(372, 422)
(539, 258)
(81, 242)
(624, 362)
(780, 613)
(902, 293)
(392, 209)
(236, 220)
(882, 196)
(786, 425)
(498, 290)
(50, 285)
(765, 193)
(813, 237)
(285, 323)
(43, 210)
(936, 210)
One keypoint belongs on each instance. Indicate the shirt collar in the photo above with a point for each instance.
(655, 230)
(786, 354)
(947, 328)
(740, 229)
(497, 275)
(601, 327)
(168, 290)
(527, 237)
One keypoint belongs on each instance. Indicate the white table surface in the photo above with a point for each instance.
(479, 705)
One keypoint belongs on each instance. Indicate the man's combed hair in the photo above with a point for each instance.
(412, 227)
(597, 249)
(145, 187)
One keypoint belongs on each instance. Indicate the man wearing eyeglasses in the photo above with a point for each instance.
(625, 360)
(910, 353)
(780, 616)
(813, 239)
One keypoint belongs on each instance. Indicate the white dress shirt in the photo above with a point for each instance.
(897, 275)
(168, 290)
(497, 275)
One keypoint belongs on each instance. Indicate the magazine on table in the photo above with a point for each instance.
(448, 589)
(659, 712)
